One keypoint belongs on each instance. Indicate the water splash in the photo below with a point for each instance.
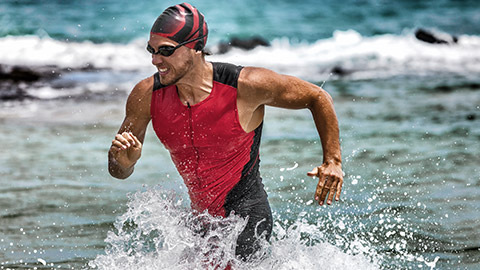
(159, 232)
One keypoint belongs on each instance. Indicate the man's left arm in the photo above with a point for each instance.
(266, 87)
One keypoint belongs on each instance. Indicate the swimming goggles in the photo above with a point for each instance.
(169, 50)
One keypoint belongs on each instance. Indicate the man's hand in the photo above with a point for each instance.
(330, 181)
(126, 149)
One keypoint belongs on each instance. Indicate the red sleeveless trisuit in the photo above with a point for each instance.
(217, 159)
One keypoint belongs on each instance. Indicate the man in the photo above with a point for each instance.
(210, 115)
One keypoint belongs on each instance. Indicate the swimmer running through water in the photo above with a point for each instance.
(210, 116)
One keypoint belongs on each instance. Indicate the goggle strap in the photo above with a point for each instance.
(172, 47)
(188, 41)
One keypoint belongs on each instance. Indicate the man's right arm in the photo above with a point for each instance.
(126, 148)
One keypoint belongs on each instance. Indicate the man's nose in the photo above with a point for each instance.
(157, 59)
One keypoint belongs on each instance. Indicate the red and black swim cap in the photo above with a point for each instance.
(182, 23)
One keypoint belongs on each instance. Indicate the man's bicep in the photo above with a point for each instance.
(137, 112)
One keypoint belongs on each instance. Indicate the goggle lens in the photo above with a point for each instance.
(163, 50)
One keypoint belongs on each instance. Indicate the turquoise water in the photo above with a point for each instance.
(409, 118)
(122, 21)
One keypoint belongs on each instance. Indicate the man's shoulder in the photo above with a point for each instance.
(138, 102)
(145, 85)
(141, 93)
(255, 77)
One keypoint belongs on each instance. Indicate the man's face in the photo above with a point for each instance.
(174, 67)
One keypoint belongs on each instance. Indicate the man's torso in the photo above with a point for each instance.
(207, 143)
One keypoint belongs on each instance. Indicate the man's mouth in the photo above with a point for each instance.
(163, 70)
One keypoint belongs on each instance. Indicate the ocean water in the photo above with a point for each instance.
(409, 115)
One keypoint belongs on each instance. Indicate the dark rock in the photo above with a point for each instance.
(472, 86)
(224, 48)
(340, 71)
(246, 44)
(18, 74)
(88, 67)
(471, 117)
(454, 87)
(14, 80)
(429, 37)
(27, 74)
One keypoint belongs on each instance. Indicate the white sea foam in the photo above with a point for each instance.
(158, 232)
(42, 51)
(361, 57)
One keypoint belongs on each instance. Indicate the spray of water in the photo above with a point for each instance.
(159, 232)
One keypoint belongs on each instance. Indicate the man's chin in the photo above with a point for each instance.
(168, 82)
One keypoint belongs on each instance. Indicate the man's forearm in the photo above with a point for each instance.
(327, 126)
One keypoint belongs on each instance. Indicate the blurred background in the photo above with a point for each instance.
(404, 76)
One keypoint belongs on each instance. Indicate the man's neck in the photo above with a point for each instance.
(197, 84)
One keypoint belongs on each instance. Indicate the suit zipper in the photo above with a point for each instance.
(190, 122)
